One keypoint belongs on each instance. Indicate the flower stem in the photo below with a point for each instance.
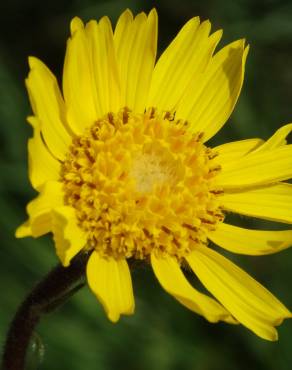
(48, 294)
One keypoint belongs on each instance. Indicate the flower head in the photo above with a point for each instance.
(123, 170)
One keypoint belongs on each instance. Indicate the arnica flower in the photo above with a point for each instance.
(123, 169)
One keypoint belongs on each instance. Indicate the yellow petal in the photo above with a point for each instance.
(277, 140)
(209, 101)
(110, 281)
(235, 149)
(174, 282)
(270, 202)
(76, 25)
(104, 65)
(48, 106)
(78, 81)
(260, 168)
(23, 230)
(251, 242)
(39, 210)
(248, 301)
(68, 236)
(181, 64)
(136, 43)
(42, 166)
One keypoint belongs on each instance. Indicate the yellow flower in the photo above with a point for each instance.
(123, 170)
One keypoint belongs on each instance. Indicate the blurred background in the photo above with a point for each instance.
(162, 334)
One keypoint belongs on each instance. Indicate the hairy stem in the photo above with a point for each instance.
(48, 294)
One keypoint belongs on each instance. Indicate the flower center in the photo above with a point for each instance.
(152, 168)
(141, 183)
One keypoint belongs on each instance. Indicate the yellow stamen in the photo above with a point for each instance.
(142, 182)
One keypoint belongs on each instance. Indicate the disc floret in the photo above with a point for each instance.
(141, 183)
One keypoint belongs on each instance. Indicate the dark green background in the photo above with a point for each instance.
(161, 335)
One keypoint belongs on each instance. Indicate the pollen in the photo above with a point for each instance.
(142, 183)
